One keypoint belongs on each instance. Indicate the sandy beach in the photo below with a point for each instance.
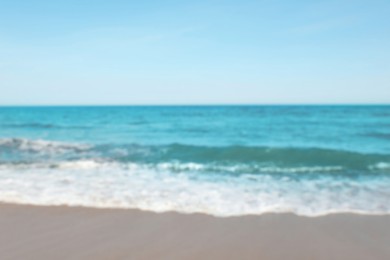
(37, 232)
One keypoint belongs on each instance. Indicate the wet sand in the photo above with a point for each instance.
(35, 232)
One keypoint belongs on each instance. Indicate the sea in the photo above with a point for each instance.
(217, 160)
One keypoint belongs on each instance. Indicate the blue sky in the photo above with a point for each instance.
(194, 52)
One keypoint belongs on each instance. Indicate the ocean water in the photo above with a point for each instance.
(218, 160)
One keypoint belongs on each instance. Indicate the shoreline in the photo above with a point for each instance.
(147, 211)
(62, 232)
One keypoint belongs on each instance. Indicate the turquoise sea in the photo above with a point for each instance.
(218, 160)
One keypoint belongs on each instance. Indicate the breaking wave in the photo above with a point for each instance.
(251, 158)
(221, 181)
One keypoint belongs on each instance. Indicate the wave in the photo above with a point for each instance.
(157, 188)
(282, 156)
(221, 181)
(177, 167)
(40, 146)
(242, 158)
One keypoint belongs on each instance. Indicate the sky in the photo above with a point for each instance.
(99, 52)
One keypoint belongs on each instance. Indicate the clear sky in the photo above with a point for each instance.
(194, 52)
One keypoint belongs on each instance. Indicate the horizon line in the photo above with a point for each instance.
(195, 104)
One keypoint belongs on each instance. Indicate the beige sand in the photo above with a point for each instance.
(30, 232)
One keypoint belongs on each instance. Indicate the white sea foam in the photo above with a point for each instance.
(380, 166)
(41, 146)
(96, 183)
(80, 164)
(243, 168)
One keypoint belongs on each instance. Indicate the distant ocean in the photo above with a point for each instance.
(219, 160)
